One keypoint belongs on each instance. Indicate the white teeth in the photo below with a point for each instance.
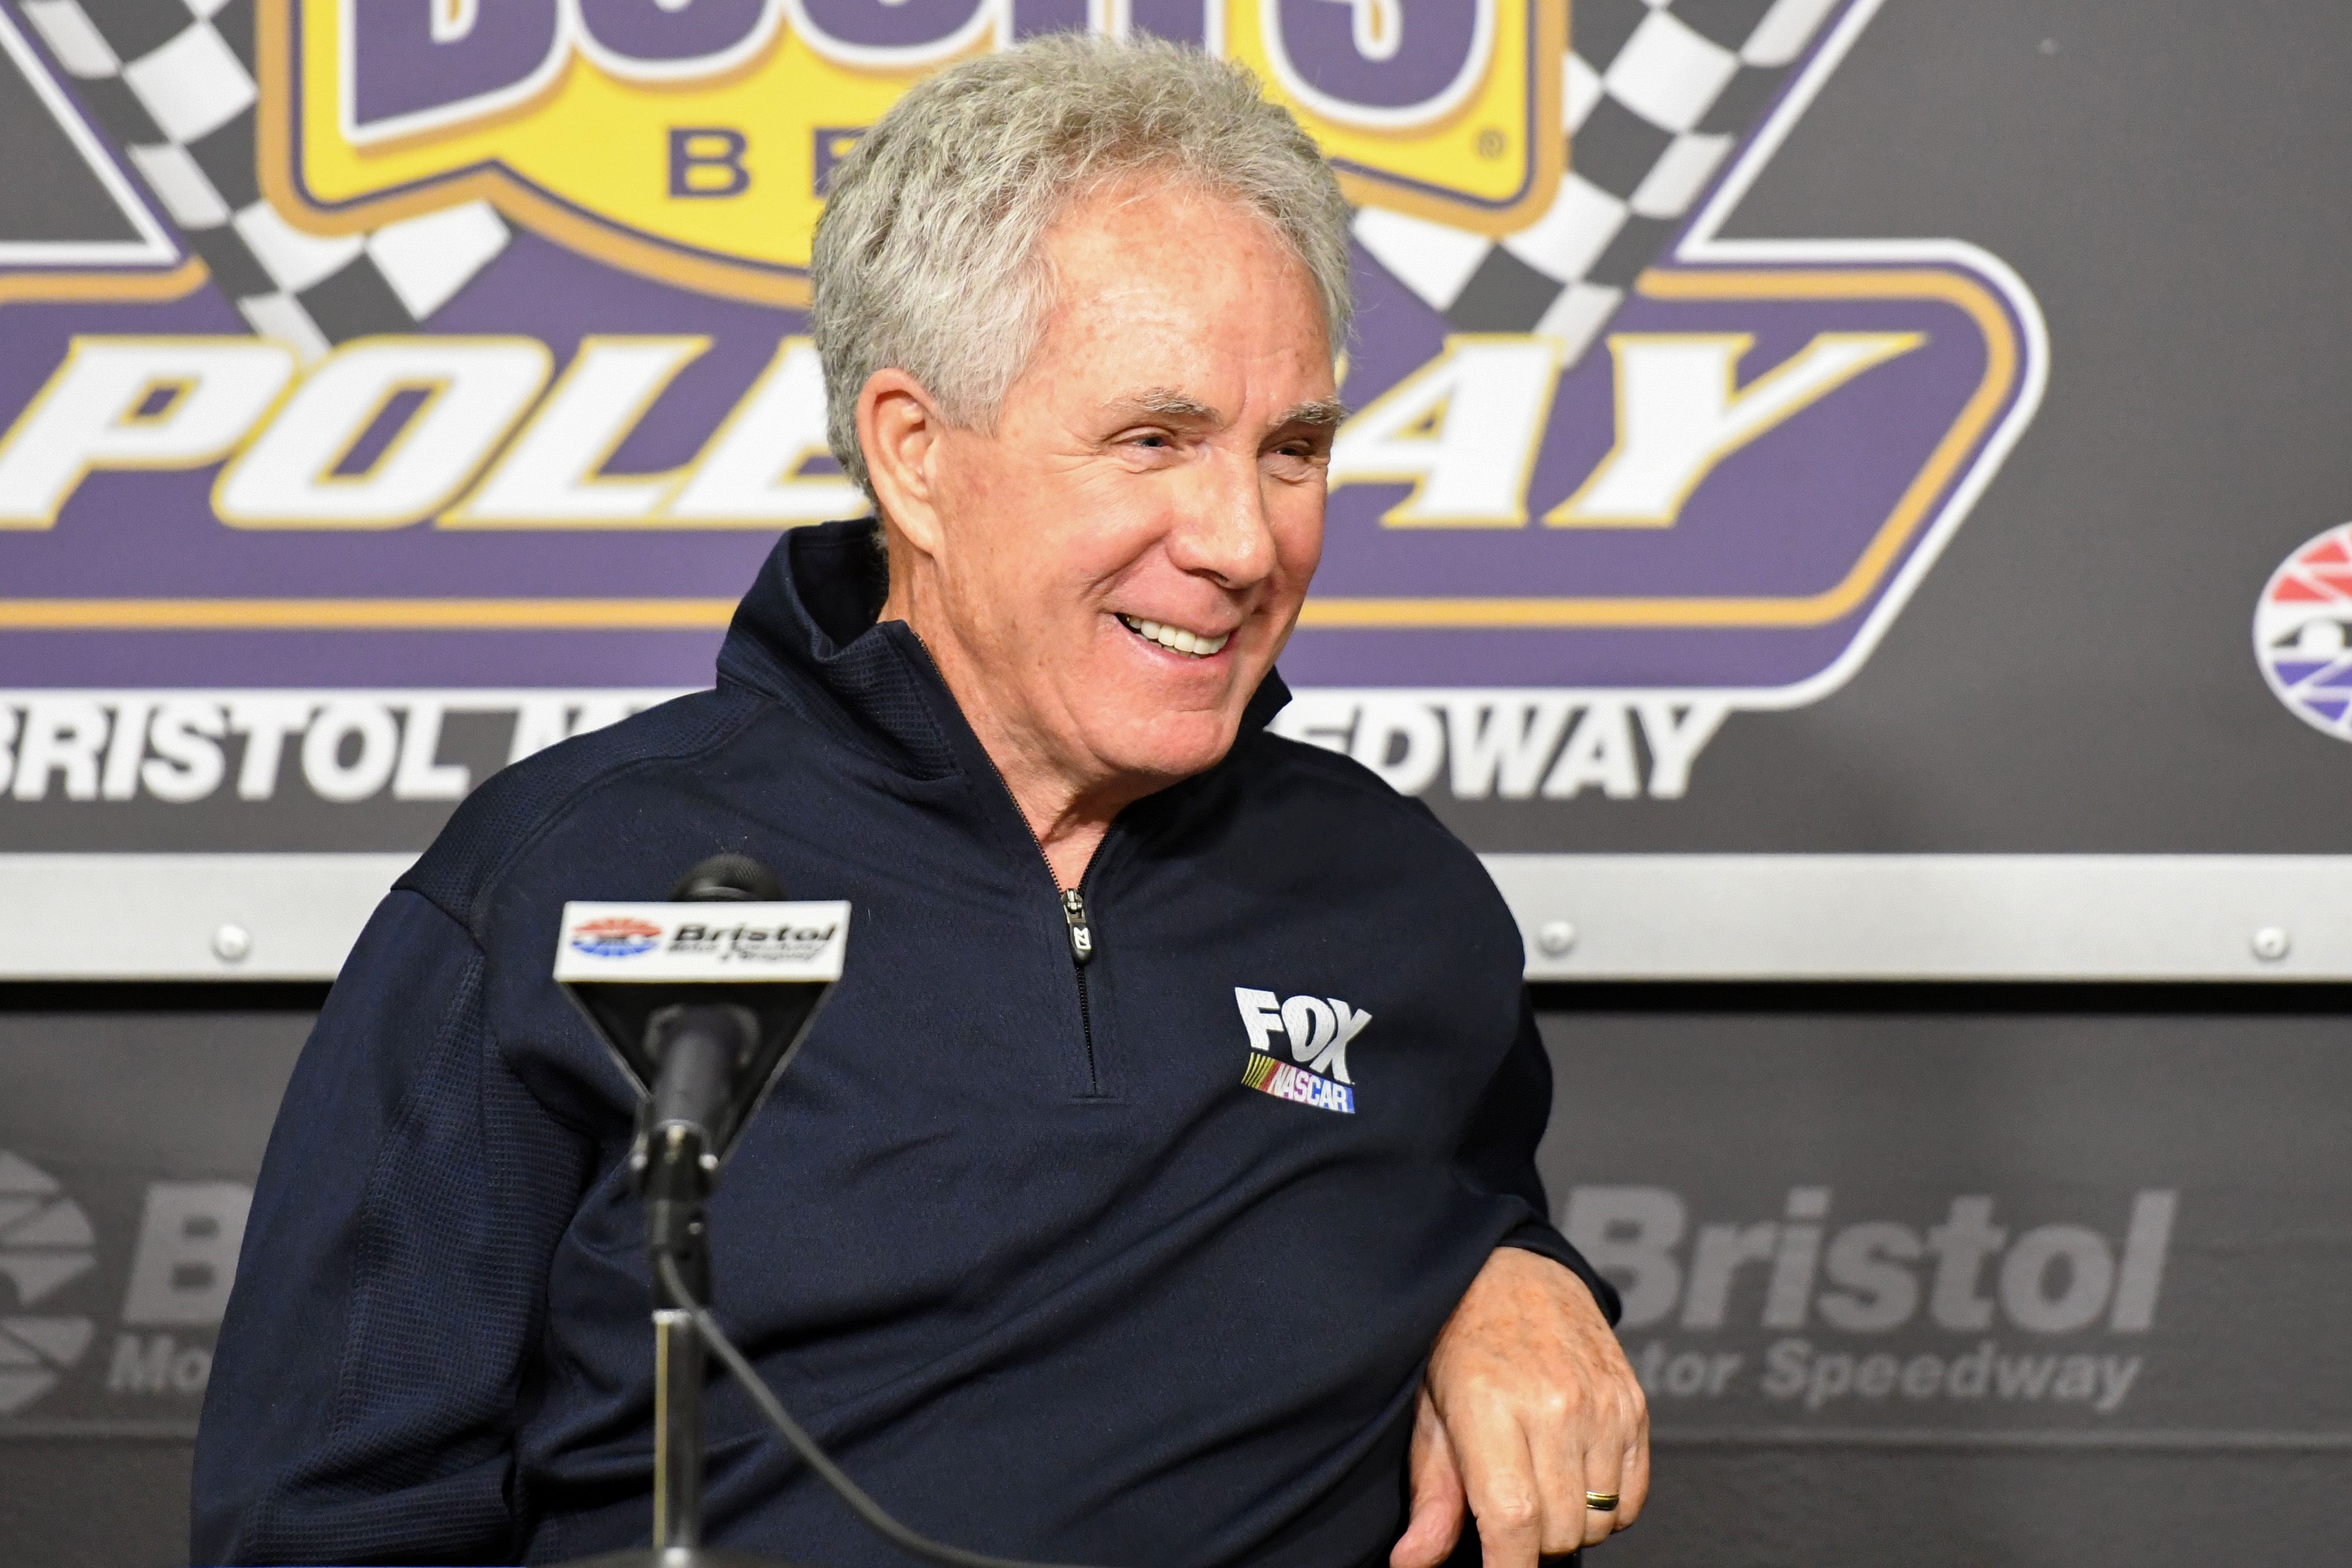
(1175, 637)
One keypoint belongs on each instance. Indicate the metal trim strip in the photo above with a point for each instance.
(1596, 917)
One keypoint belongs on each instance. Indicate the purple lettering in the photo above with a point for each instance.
(890, 33)
(1388, 63)
(657, 39)
(415, 64)
(707, 160)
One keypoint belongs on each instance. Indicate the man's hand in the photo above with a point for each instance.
(1528, 1405)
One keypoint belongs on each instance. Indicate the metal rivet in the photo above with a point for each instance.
(231, 943)
(1556, 937)
(2272, 943)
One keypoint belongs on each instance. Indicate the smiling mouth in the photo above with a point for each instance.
(1175, 638)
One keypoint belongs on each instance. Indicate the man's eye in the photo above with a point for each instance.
(1152, 438)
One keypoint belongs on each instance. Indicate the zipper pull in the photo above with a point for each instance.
(1082, 936)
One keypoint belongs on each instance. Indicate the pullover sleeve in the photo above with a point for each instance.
(393, 1280)
(1498, 1152)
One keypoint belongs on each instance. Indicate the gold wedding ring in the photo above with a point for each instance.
(1601, 1501)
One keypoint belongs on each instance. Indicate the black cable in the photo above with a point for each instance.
(864, 1507)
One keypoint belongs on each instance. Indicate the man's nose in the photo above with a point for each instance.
(1224, 532)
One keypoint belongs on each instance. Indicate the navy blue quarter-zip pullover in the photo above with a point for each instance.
(1133, 1261)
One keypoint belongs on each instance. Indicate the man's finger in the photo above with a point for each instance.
(1498, 1476)
(1560, 1467)
(1637, 1478)
(1437, 1497)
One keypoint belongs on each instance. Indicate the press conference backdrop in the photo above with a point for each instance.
(1842, 489)
(1907, 1287)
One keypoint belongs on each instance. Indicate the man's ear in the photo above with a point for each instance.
(899, 431)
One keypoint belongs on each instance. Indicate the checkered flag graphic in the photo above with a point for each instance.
(172, 80)
(1658, 92)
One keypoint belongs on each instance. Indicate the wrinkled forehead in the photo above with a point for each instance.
(1181, 269)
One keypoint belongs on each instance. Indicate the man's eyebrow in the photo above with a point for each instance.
(1323, 413)
(1166, 402)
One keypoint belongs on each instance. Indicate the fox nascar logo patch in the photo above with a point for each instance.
(1316, 1030)
(339, 328)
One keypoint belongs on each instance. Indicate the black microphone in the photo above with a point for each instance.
(704, 1049)
(702, 1001)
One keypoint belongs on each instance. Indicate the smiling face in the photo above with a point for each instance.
(1104, 577)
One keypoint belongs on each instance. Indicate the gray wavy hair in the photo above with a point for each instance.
(928, 256)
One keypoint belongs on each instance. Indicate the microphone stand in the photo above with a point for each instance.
(674, 1228)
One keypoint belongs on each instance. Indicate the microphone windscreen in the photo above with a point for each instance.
(728, 879)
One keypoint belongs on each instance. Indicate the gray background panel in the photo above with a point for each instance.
(2235, 1442)
(2077, 672)
(2058, 1103)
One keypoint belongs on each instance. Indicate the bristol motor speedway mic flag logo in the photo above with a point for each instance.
(419, 345)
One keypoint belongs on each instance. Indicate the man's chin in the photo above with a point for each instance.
(1175, 747)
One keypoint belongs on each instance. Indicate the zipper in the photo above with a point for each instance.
(1082, 935)
(1082, 947)
(1077, 925)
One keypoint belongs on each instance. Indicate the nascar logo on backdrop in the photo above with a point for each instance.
(348, 327)
(2303, 633)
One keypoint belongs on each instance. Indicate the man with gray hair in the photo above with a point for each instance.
(1158, 1185)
